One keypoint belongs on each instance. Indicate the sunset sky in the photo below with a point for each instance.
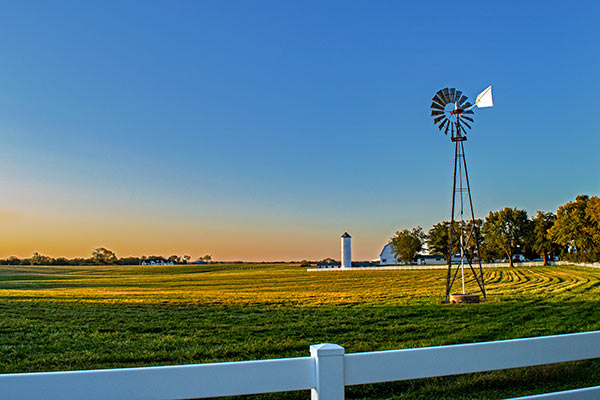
(263, 130)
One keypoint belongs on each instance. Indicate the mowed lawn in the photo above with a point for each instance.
(66, 318)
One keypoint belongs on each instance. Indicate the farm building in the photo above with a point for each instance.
(346, 250)
(386, 257)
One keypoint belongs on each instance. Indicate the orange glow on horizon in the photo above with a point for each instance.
(77, 237)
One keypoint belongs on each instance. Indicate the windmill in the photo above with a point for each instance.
(452, 113)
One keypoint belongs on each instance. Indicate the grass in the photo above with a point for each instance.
(66, 318)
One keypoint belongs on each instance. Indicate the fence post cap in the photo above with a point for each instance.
(326, 349)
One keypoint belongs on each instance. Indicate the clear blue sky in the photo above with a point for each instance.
(264, 130)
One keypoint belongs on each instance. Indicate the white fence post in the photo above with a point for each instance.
(329, 371)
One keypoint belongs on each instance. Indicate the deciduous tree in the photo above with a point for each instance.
(438, 240)
(175, 259)
(406, 244)
(541, 243)
(472, 232)
(577, 226)
(39, 259)
(103, 255)
(505, 230)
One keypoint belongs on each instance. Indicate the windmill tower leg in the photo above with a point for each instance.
(475, 231)
(451, 228)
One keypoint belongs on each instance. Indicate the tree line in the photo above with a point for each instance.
(101, 256)
(572, 233)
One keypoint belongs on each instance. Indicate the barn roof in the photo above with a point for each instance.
(382, 250)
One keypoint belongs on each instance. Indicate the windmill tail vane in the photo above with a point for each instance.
(484, 99)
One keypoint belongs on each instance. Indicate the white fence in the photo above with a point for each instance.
(326, 372)
(485, 265)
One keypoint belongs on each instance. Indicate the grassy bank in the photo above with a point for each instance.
(59, 318)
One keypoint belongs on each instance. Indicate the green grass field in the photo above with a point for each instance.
(66, 318)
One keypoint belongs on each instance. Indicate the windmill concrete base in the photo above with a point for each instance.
(458, 298)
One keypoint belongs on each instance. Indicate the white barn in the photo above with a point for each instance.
(386, 257)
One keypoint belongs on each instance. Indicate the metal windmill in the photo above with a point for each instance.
(452, 113)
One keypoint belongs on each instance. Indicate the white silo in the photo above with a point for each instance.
(346, 250)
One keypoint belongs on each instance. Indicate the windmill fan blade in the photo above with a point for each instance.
(446, 93)
(434, 113)
(464, 123)
(467, 118)
(438, 99)
(442, 124)
(438, 119)
(462, 100)
(437, 106)
(452, 93)
(458, 95)
(440, 95)
(468, 112)
(446, 131)
(439, 103)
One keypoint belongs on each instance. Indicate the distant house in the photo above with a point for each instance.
(359, 264)
(431, 259)
(329, 265)
(386, 257)
(157, 262)
(519, 258)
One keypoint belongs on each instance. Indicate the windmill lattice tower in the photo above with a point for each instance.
(452, 112)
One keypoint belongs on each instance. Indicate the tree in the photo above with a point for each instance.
(489, 252)
(327, 260)
(506, 230)
(12, 260)
(472, 232)
(592, 211)
(102, 255)
(129, 261)
(186, 258)
(156, 259)
(406, 244)
(38, 259)
(206, 258)
(577, 227)
(79, 261)
(60, 261)
(175, 259)
(541, 243)
(438, 240)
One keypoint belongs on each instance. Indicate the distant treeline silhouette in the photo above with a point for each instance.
(103, 256)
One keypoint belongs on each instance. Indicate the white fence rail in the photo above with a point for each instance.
(577, 394)
(326, 372)
(444, 266)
